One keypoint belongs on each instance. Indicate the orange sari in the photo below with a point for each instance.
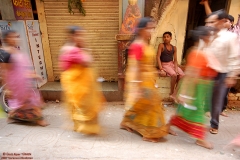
(144, 111)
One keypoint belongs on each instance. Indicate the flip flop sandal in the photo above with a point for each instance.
(224, 114)
(213, 131)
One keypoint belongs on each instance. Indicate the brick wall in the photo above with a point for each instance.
(234, 101)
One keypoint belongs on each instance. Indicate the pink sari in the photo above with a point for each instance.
(25, 100)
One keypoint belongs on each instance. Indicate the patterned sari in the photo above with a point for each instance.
(81, 91)
(144, 111)
(195, 94)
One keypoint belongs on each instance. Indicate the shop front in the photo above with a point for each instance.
(19, 16)
(43, 29)
(101, 22)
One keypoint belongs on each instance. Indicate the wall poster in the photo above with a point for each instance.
(35, 42)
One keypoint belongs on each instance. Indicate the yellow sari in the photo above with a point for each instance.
(83, 97)
(144, 111)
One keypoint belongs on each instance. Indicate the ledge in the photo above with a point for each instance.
(53, 91)
(124, 37)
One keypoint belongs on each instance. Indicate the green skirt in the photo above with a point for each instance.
(200, 95)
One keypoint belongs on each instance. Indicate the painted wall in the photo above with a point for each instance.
(141, 6)
(234, 9)
(174, 20)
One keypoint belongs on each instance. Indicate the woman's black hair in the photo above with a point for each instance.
(6, 33)
(221, 14)
(199, 32)
(142, 24)
(231, 18)
(73, 29)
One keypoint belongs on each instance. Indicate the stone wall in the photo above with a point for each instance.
(163, 87)
(173, 18)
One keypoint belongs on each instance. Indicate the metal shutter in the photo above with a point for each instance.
(102, 24)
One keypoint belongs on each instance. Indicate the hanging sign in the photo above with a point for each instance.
(22, 9)
(37, 50)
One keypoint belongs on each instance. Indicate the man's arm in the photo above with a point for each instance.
(233, 62)
(160, 47)
(206, 6)
(234, 57)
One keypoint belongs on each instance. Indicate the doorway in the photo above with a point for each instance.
(196, 17)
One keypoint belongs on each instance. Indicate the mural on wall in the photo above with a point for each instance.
(131, 17)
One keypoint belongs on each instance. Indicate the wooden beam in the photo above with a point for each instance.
(228, 4)
(45, 41)
(6, 9)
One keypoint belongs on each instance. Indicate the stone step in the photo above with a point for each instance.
(52, 91)
(163, 85)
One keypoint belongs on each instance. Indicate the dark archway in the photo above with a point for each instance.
(196, 17)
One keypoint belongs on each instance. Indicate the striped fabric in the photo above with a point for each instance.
(190, 116)
(196, 130)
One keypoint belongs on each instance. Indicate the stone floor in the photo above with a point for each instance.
(58, 141)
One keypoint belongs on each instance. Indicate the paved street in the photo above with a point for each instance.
(58, 141)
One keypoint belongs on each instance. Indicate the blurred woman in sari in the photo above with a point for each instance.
(4, 59)
(195, 91)
(24, 99)
(79, 83)
(144, 112)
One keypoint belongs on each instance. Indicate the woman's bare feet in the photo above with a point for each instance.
(42, 123)
(204, 144)
(208, 114)
(126, 128)
(172, 132)
(173, 97)
(154, 140)
(11, 120)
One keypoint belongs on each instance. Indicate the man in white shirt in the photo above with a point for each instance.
(226, 49)
(229, 24)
